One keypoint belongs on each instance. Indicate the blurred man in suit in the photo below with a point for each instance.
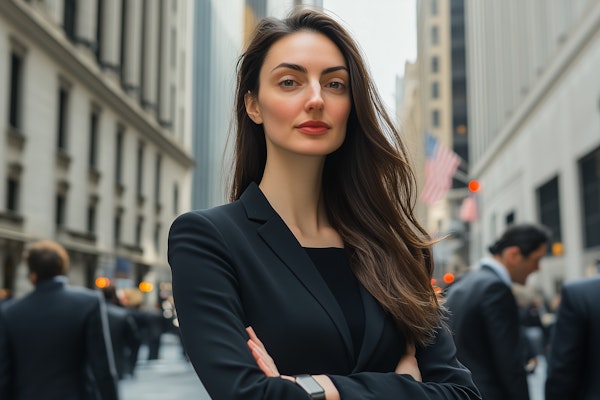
(123, 332)
(484, 317)
(574, 360)
(54, 342)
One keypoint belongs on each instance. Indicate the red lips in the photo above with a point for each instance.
(313, 127)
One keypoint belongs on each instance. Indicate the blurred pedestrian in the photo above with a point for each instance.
(54, 337)
(124, 332)
(484, 316)
(574, 356)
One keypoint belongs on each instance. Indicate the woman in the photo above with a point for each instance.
(317, 267)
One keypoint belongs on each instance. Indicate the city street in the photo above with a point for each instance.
(171, 377)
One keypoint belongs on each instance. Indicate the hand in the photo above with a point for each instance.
(259, 352)
(408, 363)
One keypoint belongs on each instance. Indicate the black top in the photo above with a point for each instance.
(334, 266)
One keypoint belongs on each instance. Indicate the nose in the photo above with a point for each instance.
(315, 98)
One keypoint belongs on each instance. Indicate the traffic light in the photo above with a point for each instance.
(102, 282)
(448, 278)
(474, 186)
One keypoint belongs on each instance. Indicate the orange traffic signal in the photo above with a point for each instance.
(448, 278)
(145, 286)
(474, 186)
(102, 282)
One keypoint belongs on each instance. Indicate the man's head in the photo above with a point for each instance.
(521, 248)
(46, 259)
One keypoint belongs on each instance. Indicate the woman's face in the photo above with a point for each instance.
(303, 97)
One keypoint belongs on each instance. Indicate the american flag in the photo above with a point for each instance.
(440, 165)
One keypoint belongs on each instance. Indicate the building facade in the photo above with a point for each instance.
(95, 138)
(534, 127)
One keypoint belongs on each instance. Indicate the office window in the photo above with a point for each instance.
(91, 217)
(434, 7)
(549, 208)
(117, 226)
(119, 155)
(60, 210)
(69, 18)
(589, 172)
(12, 194)
(157, 173)
(435, 64)
(93, 144)
(140, 169)
(63, 104)
(435, 35)
(175, 199)
(99, 30)
(509, 219)
(435, 118)
(16, 72)
(157, 241)
(138, 231)
(435, 90)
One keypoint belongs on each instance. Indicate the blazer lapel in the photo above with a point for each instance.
(282, 242)
(374, 324)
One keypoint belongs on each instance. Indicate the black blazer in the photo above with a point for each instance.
(573, 366)
(238, 265)
(49, 339)
(484, 319)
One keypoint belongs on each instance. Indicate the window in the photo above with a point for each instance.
(435, 90)
(435, 64)
(93, 144)
(14, 113)
(435, 118)
(157, 172)
(91, 217)
(434, 7)
(175, 199)
(117, 226)
(69, 18)
(140, 169)
(119, 155)
(509, 219)
(63, 102)
(589, 171)
(138, 231)
(60, 210)
(435, 35)
(99, 30)
(12, 194)
(157, 241)
(549, 208)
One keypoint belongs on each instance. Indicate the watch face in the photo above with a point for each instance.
(309, 384)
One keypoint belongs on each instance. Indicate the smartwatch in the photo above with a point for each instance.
(311, 387)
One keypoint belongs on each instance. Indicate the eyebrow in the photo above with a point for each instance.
(300, 68)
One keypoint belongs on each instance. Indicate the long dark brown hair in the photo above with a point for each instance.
(368, 184)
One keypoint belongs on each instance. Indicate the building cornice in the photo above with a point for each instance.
(87, 72)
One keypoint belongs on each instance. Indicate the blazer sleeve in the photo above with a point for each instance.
(211, 319)
(443, 377)
(566, 358)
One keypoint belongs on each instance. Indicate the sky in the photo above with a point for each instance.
(387, 33)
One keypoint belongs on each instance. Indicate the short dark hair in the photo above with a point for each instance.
(527, 237)
(47, 259)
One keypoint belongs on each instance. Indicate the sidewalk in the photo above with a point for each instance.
(171, 377)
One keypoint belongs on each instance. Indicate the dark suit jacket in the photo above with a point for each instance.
(574, 360)
(239, 265)
(124, 337)
(485, 321)
(49, 341)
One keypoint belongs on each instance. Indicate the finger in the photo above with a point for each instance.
(253, 336)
